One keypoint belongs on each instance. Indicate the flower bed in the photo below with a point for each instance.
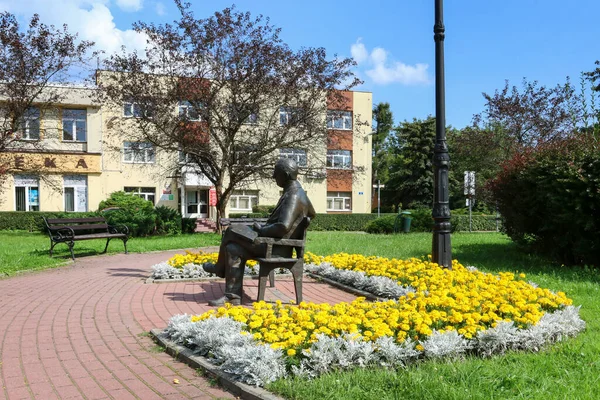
(189, 265)
(437, 313)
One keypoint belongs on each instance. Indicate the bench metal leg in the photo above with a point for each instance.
(125, 244)
(71, 244)
(106, 247)
(52, 244)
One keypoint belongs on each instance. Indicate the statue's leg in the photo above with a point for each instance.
(236, 263)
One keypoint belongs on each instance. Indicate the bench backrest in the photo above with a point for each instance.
(77, 224)
(245, 221)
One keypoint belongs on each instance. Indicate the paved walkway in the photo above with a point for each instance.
(80, 331)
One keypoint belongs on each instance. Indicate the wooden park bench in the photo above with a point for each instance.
(294, 240)
(70, 230)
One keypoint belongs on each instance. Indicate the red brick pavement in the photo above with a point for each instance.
(80, 331)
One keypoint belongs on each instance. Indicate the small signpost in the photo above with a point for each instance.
(470, 193)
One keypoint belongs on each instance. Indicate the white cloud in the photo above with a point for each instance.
(384, 72)
(359, 51)
(130, 5)
(91, 19)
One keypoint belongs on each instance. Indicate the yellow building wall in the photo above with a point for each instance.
(362, 153)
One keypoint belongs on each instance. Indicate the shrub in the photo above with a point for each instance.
(549, 199)
(32, 220)
(188, 225)
(137, 213)
(168, 220)
(381, 225)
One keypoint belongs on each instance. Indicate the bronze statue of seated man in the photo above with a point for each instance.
(237, 245)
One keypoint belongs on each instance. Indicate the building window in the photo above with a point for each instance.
(27, 193)
(339, 120)
(75, 193)
(146, 193)
(289, 115)
(247, 114)
(339, 159)
(30, 124)
(243, 200)
(188, 111)
(138, 152)
(136, 110)
(74, 124)
(298, 155)
(339, 201)
(245, 156)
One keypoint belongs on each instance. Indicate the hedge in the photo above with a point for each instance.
(32, 221)
(423, 222)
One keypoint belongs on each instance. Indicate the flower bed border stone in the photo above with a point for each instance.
(224, 379)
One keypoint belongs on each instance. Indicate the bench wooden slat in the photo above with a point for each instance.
(66, 221)
(278, 260)
(99, 236)
(281, 242)
(90, 227)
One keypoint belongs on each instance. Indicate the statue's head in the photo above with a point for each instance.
(285, 170)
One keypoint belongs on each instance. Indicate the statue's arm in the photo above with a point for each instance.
(289, 211)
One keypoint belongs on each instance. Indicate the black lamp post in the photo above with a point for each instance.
(441, 251)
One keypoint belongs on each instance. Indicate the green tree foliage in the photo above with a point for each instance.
(594, 77)
(383, 123)
(475, 149)
(411, 171)
(549, 198)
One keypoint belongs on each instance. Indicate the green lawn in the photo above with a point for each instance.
(569, 370)
(25, 251)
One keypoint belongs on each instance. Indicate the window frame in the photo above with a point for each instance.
(142, 191)
(73, 121)
(183, 109)
(291, 115)
(294, 154)
(28, 187)
(346, 159)
(334, 116)
(32, 114)
(145, 148)
(82, 184)
(253, 197)
(136, 109)
(346, 198)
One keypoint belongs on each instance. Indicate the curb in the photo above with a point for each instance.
(210, 370)
(346, 288)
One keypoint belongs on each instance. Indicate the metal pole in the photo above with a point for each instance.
(378, 197)
(470, 216)
(441, 251)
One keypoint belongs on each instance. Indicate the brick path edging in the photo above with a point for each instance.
(187, 356)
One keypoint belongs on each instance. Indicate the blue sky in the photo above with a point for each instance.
(486, 43)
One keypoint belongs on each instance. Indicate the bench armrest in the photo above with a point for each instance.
(281, 242)
(61, 233)
(120, 228)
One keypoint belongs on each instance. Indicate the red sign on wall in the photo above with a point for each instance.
(212, 196)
